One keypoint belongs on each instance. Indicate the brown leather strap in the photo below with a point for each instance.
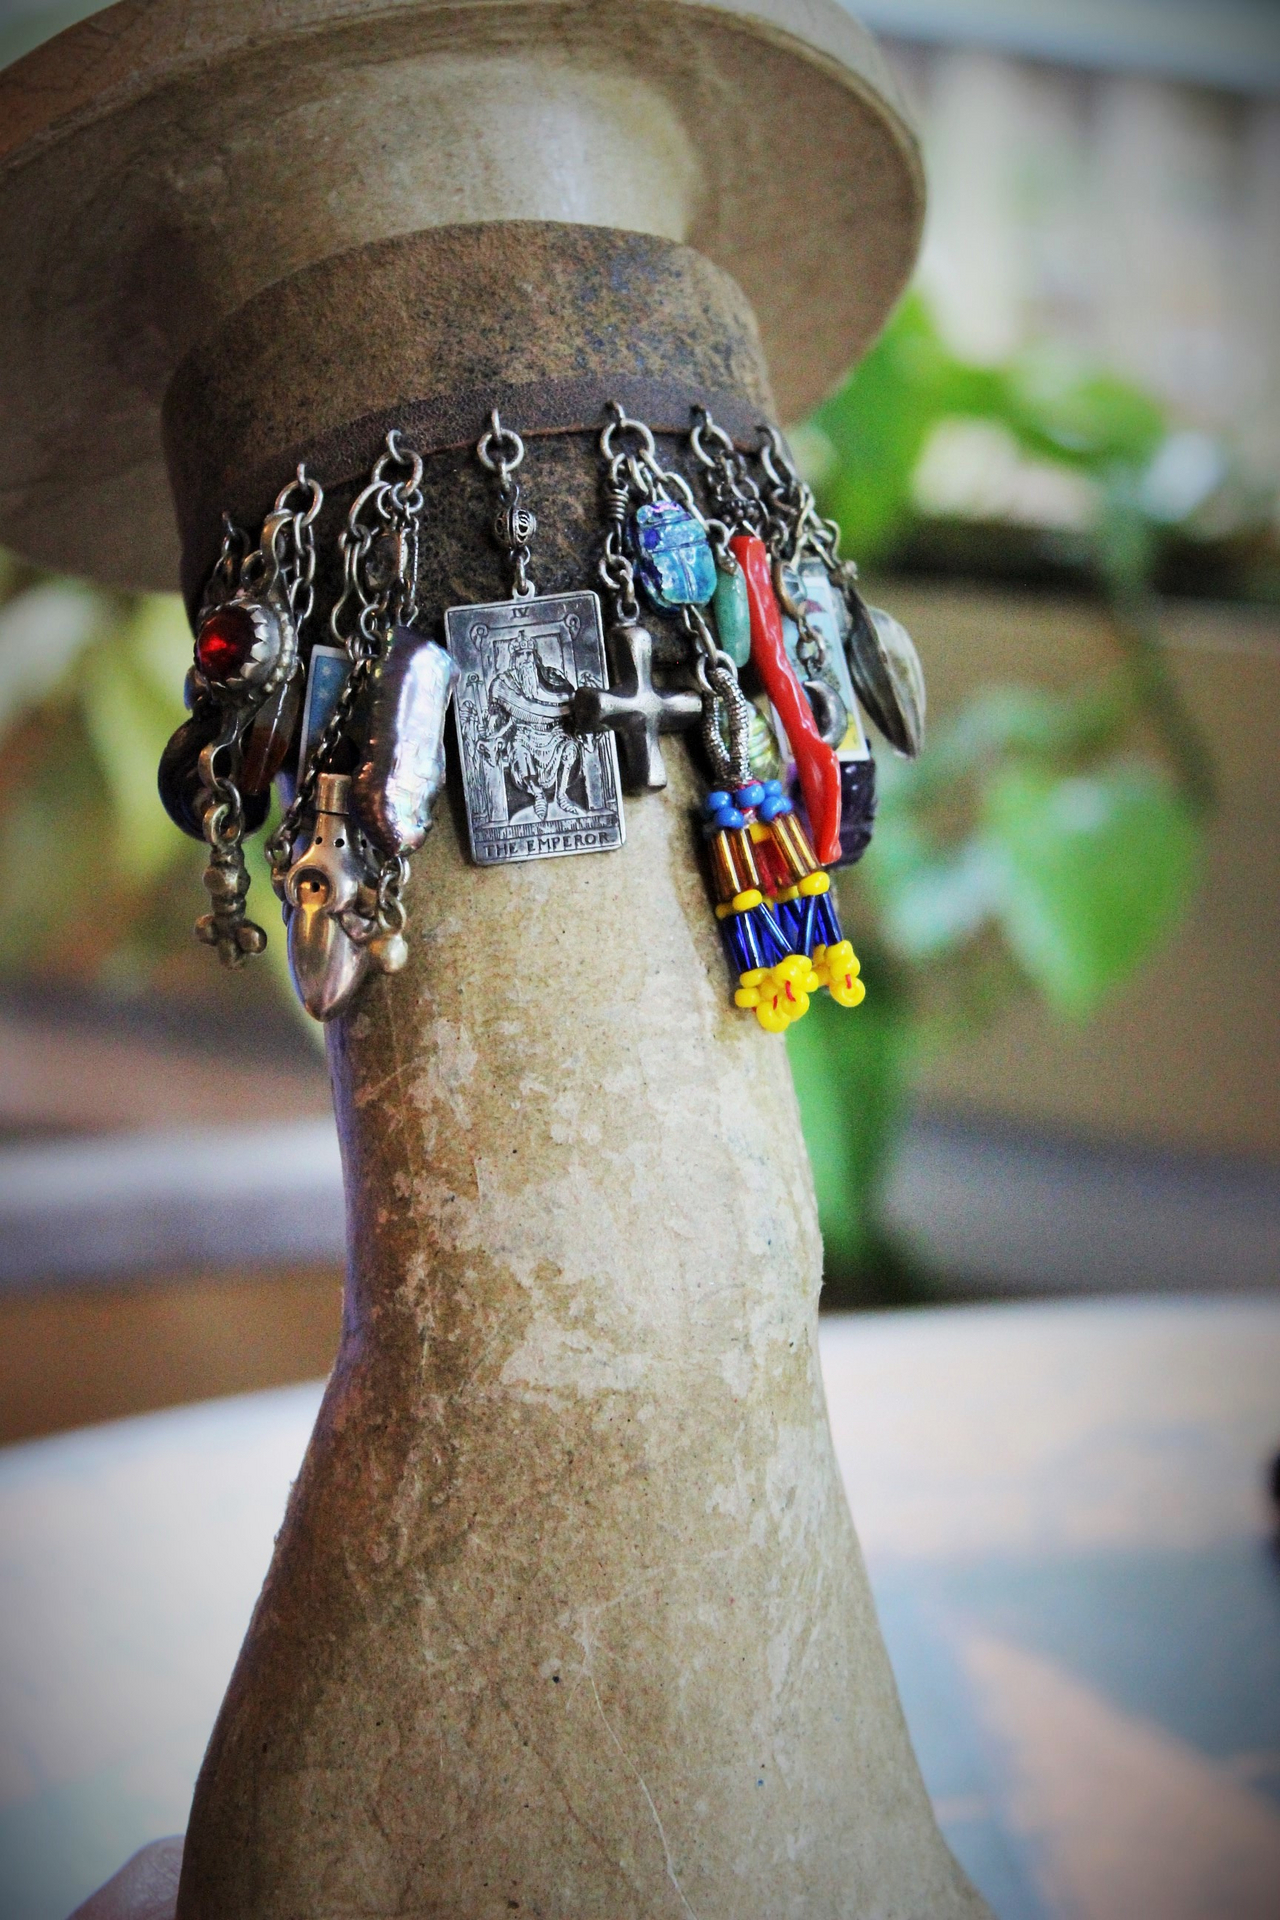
(443, 423)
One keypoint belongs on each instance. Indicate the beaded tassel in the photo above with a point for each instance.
(803, 903)
(774, 981)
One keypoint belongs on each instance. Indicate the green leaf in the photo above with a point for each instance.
(129, 712)
(941, 904)
(1079, 414)
(878, 423)
(849, 1066)
(43, 632)
(1095, 868)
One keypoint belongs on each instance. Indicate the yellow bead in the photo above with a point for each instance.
(743, 902)
(746, 997)
(759, 832)
(723, 908)
(752, 977)
(772, 1015)
(815, 883)
(847, 990)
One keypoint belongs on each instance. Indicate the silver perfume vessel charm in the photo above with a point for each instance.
(330, 899)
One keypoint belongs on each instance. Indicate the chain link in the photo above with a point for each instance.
(734, 493)
(500, 451)
(367, 609)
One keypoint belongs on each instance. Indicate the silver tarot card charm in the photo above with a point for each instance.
(535, 787)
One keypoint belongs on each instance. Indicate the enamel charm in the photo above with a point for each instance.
(811, 606)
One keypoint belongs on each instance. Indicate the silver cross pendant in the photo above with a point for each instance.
(634, 709)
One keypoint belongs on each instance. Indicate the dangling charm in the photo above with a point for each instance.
(817, 713)
(216, 772)
(665, 547)
(534, 786)
(402, 770)
(815, 758)
(882, 664)
(774, 979)
(322, 895)
(342, 892)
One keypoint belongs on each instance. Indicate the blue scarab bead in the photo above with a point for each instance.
(674, 561)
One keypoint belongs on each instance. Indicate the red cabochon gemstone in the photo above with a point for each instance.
(224, 643)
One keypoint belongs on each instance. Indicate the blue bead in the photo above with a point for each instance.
(674, 561)
(787, 914)
(775, 805)
(828, 921)
(726, 817)
(773, 787)
(742, 942)
(749, 796)
(773, 936)
(735, 952)
(714, 801)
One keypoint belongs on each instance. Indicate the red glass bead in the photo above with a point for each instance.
(224, 643)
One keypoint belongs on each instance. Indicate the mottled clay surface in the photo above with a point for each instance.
(454, 311)
(567, 1617)
(162, 163)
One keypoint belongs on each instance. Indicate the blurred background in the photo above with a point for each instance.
(1059, 469)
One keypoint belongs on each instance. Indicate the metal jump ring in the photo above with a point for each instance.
(622, 423)
(490, 444)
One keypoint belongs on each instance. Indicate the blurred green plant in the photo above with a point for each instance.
(100, 889)
(1040, 844)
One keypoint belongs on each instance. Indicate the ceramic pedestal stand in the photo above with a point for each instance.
(566, 1616)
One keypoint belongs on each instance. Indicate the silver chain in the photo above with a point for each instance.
(733, 491)
(634, 475)
(500, 451)
(285, 556)
(372, 602)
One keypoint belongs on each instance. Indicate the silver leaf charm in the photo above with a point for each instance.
(887, 674)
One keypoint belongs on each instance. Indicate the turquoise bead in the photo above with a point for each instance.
(732, 611)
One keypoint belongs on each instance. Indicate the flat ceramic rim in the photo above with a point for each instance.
(84, 487)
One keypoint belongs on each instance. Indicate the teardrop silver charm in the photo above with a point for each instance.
(886, 673)
(324, 885)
